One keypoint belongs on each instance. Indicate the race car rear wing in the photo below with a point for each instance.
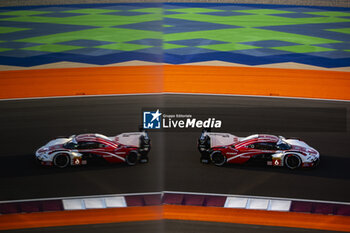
(203, 145)
(204, 141)
(145, 141)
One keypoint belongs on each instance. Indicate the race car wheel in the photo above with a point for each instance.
(61, 160)
(144, 159)
(292, 161)
(131, 158)
(218, 158)
(205, 159)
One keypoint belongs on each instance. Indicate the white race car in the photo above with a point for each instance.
(221, 148)
(79, 149)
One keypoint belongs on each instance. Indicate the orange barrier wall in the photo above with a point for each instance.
(175, 78)
(79, 217)
(194, 213)
(258, 217)
(80, 81)
(258, 81)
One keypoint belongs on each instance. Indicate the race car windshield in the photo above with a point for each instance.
(102, 136)
(283, 146)
(70, 145)
(250, 137)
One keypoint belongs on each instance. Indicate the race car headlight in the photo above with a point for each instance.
(76, 154)
(42, 150)
(42, 156)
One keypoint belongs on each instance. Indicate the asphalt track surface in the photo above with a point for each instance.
(169, 226)
(174, 160)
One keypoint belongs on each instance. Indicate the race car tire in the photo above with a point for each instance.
(292, 161)
(131, 158)
(144, 159)
(61, 160)
(205, 159)
(218, 158)
(317, 163)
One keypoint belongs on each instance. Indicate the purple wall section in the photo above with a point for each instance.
(135, 200)
(143, 200)
(31, 206)
(320, 208)
(215, 201)
(155, 199)
(193, 199)
(174, 199)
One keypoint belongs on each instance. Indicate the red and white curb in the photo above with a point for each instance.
(94, 203)
(175, 198)
(257, 204)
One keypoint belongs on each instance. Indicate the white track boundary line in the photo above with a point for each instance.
(255, 96)
(177, 192)
(82, 197)
(174, 93)
(78, 96)
(258, 197)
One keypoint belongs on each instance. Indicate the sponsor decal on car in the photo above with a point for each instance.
(276, 162)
